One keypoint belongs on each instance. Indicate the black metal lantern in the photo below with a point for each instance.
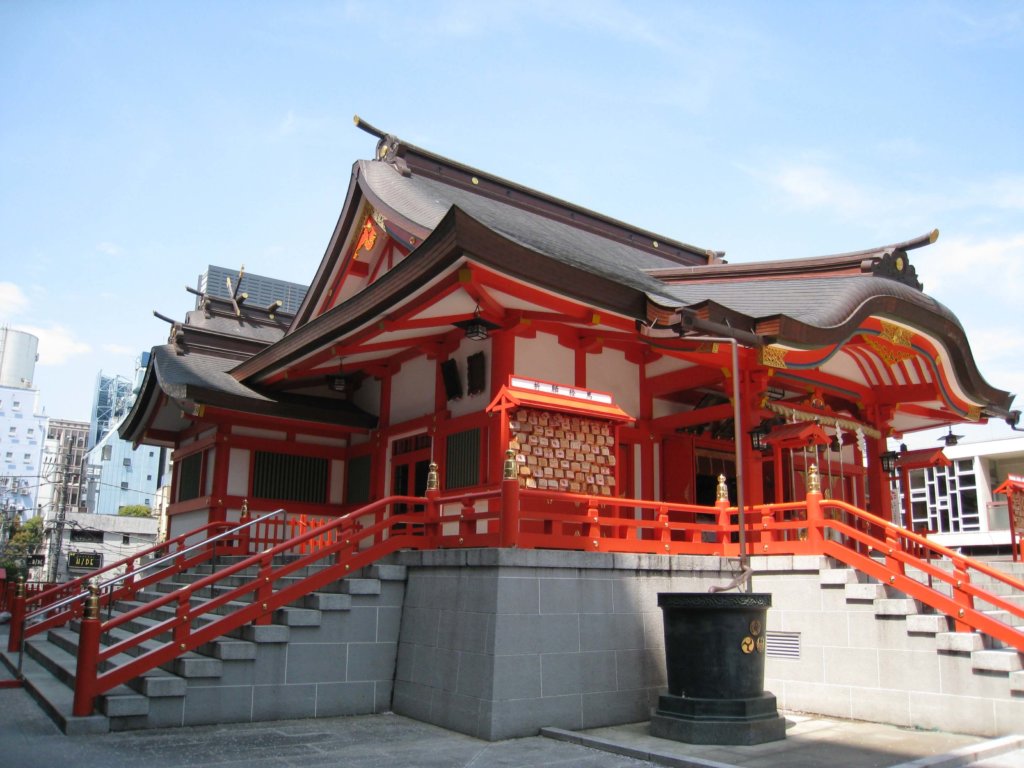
(476, 328)
(888, 460)
(758, 437)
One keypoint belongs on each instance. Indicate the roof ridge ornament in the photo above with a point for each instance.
(895, 265)
(387, 146)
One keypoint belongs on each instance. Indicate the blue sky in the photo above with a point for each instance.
(142, 141)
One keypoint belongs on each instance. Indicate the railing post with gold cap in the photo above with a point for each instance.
(509, 536)
(815, 515)
(722, 505)
(432, 529)
(88, 655)
(245, 534)
(17, 616)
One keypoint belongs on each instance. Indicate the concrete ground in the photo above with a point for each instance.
(29, 739)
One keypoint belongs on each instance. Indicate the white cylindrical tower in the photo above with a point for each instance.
(18, 355)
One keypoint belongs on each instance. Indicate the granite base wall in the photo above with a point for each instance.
(500, 643)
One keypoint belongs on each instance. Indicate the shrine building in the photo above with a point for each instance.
(455, 315)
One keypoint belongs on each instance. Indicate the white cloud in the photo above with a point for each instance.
(991, 266)
(13, 301)
(119, 349)
(111, 249)
(815, 186)
(57, 344)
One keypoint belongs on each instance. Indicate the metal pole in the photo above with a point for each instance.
(738, 432)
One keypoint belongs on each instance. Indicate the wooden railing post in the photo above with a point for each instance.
(963, 599)
(467, 523)
(17, 616)
(432, 513)
(815, 515)
(509, 529)
(265, 589)
(88, 655)
(664, 532)
(592, 528)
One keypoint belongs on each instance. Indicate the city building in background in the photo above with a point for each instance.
(117, 473)
(22, 428)
(223, 283)
(87, 542)
(111, 401)
(952, 499)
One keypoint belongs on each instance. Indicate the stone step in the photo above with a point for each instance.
(1017, 682)
(865, 592)
(56, 699)
(896, 606)
(959, 642)
(837, 577)
(928, 623)
(997, 660)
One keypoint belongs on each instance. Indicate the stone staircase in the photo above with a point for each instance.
(331, 653)
(987, 656)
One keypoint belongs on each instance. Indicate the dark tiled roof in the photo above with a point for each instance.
(426, 201)
(823, 302)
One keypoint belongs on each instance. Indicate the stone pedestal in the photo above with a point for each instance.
(714, 649)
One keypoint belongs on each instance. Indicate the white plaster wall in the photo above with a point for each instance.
(367, 396)
(471, 404)
(412, 390)
(211, 462)
(661, 407)
(667, 364)
(611, 372)
(238, 472)
(186, 522)
(545, 359)
(337, 486)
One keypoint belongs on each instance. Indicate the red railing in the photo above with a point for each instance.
(325, 553)
(327, 549)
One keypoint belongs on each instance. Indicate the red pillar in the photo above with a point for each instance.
(17, 616)
(88, 656)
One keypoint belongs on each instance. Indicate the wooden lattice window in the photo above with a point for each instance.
(190, 473)
(289, 478)
(462, 459)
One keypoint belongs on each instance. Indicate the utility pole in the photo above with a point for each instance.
(57, 535)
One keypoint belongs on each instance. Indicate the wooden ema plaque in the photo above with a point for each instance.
(563, 452)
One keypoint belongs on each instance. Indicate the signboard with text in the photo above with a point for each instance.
(84, 561)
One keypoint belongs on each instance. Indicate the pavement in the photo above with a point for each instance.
(29, 739)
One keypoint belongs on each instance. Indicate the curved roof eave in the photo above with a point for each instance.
(823, 311)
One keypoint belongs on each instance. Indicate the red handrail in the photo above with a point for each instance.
(342, 545)
(342, 551)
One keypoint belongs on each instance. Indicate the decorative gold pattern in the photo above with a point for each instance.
(887, 351)
(755, 627)
(761, 644)
(897, 334)
(747, 644)
(974, 413)
(773, 356)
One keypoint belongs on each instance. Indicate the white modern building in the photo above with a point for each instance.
(955, 503)
(22, 426)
